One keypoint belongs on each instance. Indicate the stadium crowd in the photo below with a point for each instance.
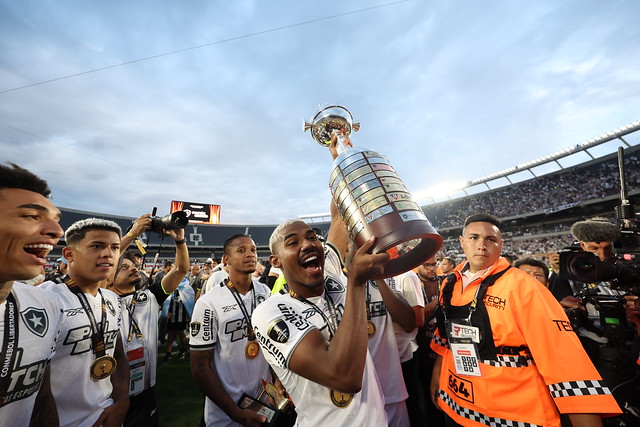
(313, 335)
(547, 192)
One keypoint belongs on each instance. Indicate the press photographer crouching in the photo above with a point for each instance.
(604, 276)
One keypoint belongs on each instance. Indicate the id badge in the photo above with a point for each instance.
(465, 359)
(137, 365)
(461, 332)
(463, 341)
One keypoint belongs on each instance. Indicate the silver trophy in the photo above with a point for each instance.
(328, 119)
(371, 197)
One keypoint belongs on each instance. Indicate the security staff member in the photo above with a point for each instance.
(495, 330)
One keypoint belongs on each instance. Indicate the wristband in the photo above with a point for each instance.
(180, 242)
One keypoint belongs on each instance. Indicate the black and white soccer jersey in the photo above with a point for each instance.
(282, 322)
(35, 317)
(140, 338)
(79, 398)
(218, 324)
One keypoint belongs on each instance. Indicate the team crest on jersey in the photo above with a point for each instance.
(279, 331)
(260, 299)
(333, 286)
(110, 308)
(195, 328)
(36, 320)
(142, 298)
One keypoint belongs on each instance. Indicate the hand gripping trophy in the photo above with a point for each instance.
(371, 198)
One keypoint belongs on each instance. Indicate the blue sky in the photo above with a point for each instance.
(447, 90)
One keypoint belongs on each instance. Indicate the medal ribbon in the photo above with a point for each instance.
(247, 316)
(10, 339)
(133, 325)
(97, 334)
(331, 321)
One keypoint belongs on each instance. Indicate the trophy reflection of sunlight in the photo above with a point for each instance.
(371, 198)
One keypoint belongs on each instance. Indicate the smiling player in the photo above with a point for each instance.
(29, 317)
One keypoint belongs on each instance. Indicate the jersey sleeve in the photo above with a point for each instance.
(159, 293)
(411, 288)
(203, 326)
(573, 382)
(279, 327)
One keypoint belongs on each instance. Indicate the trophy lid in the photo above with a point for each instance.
(328, 118)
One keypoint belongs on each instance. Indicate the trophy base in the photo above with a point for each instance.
(400, 232)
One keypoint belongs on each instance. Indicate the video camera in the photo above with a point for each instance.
(623, 269)
(586, 267)
(174, 221)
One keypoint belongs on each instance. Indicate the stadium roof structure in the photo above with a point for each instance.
(628, 135)
(584, 147)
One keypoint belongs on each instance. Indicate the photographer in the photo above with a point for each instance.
(595, 235)
(139, 328)
(597, 310)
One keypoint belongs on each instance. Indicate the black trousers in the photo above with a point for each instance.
(143, 410)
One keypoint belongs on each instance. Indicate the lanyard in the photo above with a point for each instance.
(331, 321)
(97, 333)
(472, 306)
(438, 283)
(245, 313)
(484, 284)
(10, 339)
(133, 325)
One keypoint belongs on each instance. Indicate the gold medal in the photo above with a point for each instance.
(103, 367)
(371, 329)
(252, 349)
(339, 399)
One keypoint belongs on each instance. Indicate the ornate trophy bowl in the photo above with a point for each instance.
(330, 118)
(373, 200)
